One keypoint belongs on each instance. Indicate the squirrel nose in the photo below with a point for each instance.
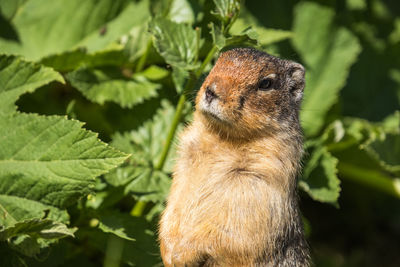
(210, 94)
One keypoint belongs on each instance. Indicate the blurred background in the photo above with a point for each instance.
(125, 79)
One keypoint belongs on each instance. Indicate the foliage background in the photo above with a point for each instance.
(130, 69)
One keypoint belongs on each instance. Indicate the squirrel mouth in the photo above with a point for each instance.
(211, 116)
(211, 110)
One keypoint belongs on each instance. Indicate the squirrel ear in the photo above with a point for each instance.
(297, 81)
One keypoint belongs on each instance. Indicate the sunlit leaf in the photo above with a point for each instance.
(10, 8)
(18, 77)
(155, 73)
(114, 29)
(101, 85)
(227, 10)
(247, 37)
(320, 179)
(142, 252)
(264, 36)
(74, 59)
(178, 43)
(150, 185)
(328, 52)
(123, 225)
(145, 144)
(136, 42)
(44, 228)
(46, 162)
(180, 77)
(387, 151)
(181, 11)
(49, 27)
(356, 4)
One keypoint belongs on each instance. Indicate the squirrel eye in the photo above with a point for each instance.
(265, 84)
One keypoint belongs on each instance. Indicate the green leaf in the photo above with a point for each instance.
(150, 185)
(270, 36)
(145, 144)
(356, 4)
(320, 179)
(101, 85)
(340, 135)
(328, 52)
(71, 60)
(181, 11)
(387, 151)
(177, 43)
(155, 73)
(46, 162)
(246, 37)
(18, 77)
(123, 225)
(180, 77)
(367, 152)
(9, 8)
(372, 177)
(50, 27)
(392, 123)
(40, 156)
(123, 175)
(15, 209)
(227, 10)
(264, 36)
(44, 228)
(394, 37)
(66, 61)
(380, 140)
(218, 36)
(143, 252)
(136, 42)
(357, 162)
(31, 246)
(122, 24)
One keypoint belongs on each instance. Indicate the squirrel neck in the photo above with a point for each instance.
(289, 138)
(272, 157)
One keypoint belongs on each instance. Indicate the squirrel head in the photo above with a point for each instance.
(251, 93)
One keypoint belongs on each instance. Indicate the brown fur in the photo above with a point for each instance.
(233, 198)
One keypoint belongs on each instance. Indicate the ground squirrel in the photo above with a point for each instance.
(233, 198)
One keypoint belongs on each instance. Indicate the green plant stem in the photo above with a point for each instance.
(172, 130)
(371, 178)
(143, 58)
(138, 209)
(207, 60)
(179, 108)
(115, 247)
